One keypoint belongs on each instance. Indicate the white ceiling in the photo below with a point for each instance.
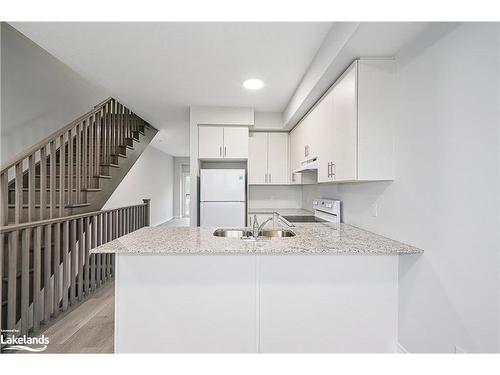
(160, 69)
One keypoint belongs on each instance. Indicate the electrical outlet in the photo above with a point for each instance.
(459, 350)
(374, 209)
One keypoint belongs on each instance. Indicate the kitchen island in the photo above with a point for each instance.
(327, 289)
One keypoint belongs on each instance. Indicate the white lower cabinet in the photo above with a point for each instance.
(268, 158)
(249, 304)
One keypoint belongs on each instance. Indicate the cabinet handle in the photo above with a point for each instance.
(269, 177)
(265, 178)
(329, 170)
(225, 151)
(220, 150)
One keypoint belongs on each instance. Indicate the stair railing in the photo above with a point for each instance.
(56, 253)
(48, 179)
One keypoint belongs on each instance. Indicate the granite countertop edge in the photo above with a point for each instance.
(311, 239)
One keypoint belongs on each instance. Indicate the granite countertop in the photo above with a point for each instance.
(281, 211)
(310, 239)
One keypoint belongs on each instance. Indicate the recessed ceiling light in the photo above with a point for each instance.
(253, 84)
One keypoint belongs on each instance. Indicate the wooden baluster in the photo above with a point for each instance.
(93, 256)
(47, 300)
(85, 152)
(91, 150)
(99, 256)
(110, 238)
(31, 187)
(62, 173)
(98, 144)
(71, 162)
(86, 275)
(37, 278)
(78, 162)
(4, 212)
(104, 240)
(52, 158)
(43, 182)
(113, 127)
(13, 238)
(72, 281)
(66, 266)
(81, 258)
(56, 266)
(18, 193)
(116, 125)
(25, 279)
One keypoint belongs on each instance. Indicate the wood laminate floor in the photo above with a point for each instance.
(89, 328)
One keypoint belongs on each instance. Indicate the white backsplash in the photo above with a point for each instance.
(275, 196)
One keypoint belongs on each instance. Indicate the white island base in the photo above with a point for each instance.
(255, 303)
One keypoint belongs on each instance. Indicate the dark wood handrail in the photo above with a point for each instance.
(34, 224)
(26, 153)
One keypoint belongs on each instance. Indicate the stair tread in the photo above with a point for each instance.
(110, 165)
(120, 155)
(104, 176)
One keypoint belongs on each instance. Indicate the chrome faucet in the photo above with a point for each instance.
(258, 228)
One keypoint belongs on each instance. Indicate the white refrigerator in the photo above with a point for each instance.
(222, 198)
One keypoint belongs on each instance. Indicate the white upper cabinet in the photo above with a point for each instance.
(268, 158)
(222, 142)
(351, 128)
(235, 142)
(277, 159)
(210, 142)
(257, 158)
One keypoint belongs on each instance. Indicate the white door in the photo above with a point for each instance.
(222, 214)
(210, 142)
(222, 185)
(257, 158)
(277, 158)
(344, 145)
(235, 142)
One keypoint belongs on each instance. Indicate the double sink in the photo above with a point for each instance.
(247, 233)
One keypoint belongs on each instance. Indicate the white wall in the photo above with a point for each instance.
(445, 198)
(40, 94)
(275, 196)
(180, 164)
(151, 177)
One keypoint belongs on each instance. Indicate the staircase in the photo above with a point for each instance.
(51, 198)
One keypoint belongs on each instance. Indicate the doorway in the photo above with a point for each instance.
(185, 193)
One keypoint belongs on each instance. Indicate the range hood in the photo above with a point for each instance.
(307, 166)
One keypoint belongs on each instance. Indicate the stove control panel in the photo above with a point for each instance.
(328, 206)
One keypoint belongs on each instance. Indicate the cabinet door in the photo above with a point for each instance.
(235, 142)
(325, 131)
(257, 158)
(210, 142)
(278, 158)
(296, 154)
(344, 145)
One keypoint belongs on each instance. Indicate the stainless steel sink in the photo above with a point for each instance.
(247, 233)
(233, 233)
(277, 233)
